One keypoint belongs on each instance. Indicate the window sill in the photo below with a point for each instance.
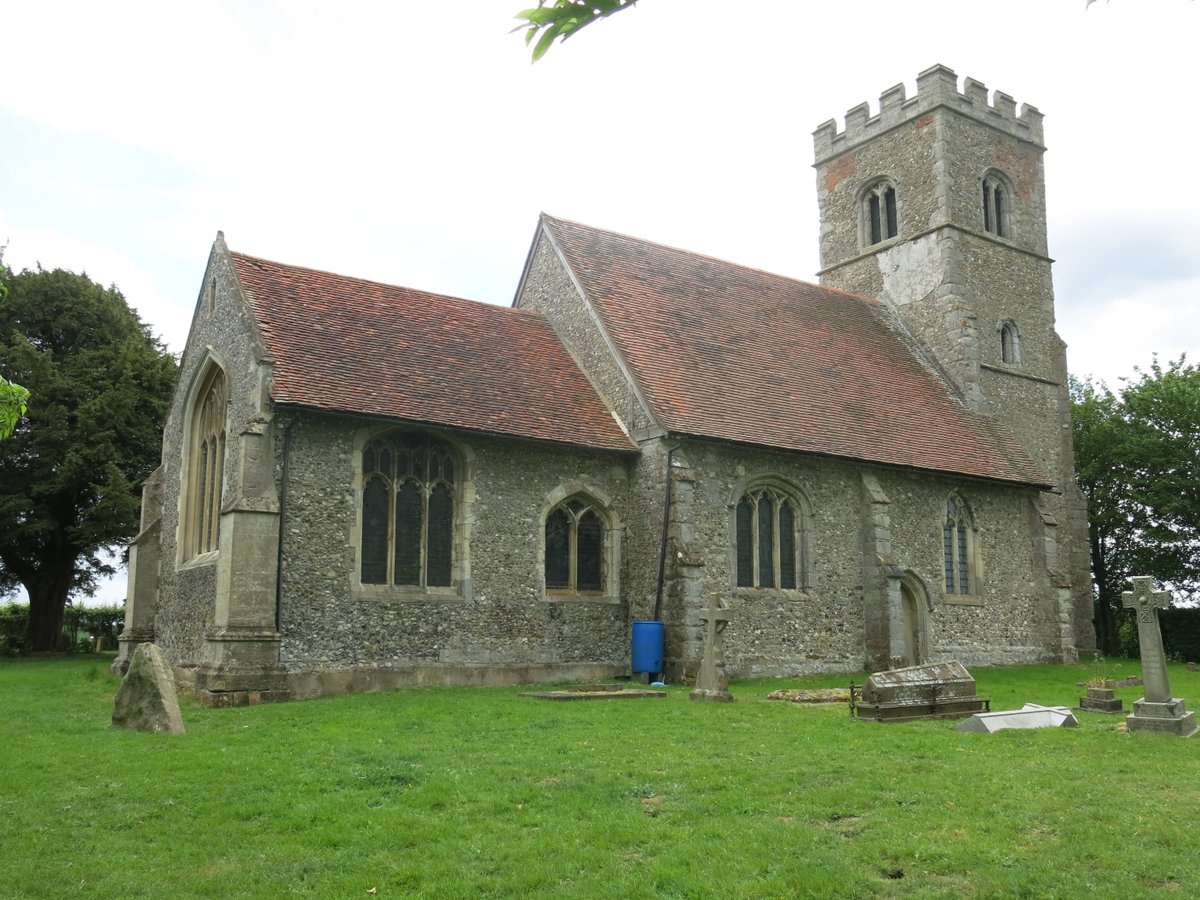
(199, 562)
(579, 597)
(962, 600)
(743, 591)
(406, 593)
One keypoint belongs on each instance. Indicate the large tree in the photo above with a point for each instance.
(13, 397)
(71, 473)
(1138, 460)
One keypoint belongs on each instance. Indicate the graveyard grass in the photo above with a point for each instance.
(481, 792)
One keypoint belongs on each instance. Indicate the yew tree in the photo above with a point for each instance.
(71, 472)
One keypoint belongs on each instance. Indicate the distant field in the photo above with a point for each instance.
(480, 792)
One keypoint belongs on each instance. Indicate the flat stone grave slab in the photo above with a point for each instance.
(935, 691)
(1031, 715)
(812, 695)
(594, 692)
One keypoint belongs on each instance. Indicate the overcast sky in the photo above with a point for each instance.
(383, 141)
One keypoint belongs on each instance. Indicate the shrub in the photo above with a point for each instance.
(82, 625)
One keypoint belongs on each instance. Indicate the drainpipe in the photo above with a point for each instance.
(662, 550)
(287, 446)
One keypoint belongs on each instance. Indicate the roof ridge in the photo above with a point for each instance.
(383, 284)
(556, 220)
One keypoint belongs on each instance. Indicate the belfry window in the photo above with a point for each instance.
(408, 507)
(206, 467)
(771, 541)
(575, 538)
(958, 543)
(1010, 343)
(880, 220)
(995, 206)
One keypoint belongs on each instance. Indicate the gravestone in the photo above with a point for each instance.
(147, 700)
(1157, 710)
(1031, 715)
(711, 681)
(1102, 700)
(934, 691)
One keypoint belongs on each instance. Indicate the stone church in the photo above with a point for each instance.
(365, 486)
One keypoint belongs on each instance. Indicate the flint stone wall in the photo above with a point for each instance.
(500, 619)
(223, 332)
(1012, 618)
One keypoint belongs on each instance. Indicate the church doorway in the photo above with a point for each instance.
(914, 621)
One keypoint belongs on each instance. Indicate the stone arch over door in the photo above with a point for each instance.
(912, 642)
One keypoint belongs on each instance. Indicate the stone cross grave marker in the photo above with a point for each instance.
(1157, 710)
(1146, 600)
(711, 683)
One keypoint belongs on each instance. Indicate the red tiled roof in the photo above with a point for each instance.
(723, 351)
(358, 346)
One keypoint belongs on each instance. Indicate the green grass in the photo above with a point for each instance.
(479, 792)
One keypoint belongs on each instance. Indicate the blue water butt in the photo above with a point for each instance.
(647, 649)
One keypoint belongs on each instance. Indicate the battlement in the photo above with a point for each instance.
(936, 87)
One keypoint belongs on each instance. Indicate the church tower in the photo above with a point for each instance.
(936, 205)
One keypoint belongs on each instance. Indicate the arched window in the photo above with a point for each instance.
(206, 466)
(1010, 342)
(575, 547)
(958, 542)
(997, 198)
(772, 540)
(408, 509)
(880, 219)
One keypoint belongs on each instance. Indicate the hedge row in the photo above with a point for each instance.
(82, 626)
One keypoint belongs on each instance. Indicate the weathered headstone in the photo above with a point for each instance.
(938, 690)
(1102, 700)
(147, 700)
(1031, 715)
(711, 681)
(1157, 710)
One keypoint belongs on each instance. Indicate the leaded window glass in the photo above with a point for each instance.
(958, 538)
(408, 503)
(575, 547)
(208, 464)
(770, 541)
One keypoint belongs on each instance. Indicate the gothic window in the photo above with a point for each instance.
(575, 551)
(996, 200)
(880, 221)
(408, 504)
(206, 465)
(1010, 343)
(771, 540)
(958, 544)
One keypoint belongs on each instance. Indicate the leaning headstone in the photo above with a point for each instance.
(935, 691)
(147, 700)
(1031, 715)
(1158, 710)
(711, 681)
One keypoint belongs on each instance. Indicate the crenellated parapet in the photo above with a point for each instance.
(937, 87)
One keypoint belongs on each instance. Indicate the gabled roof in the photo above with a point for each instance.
(727, 352)
(356, 346)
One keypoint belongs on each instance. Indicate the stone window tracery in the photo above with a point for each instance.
(409, 496)
(575, 547)
(997, 198)
(959, 549)
(771, 535)
(881, 220)
(206, 467)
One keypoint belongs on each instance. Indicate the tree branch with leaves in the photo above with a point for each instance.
(554, 20)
